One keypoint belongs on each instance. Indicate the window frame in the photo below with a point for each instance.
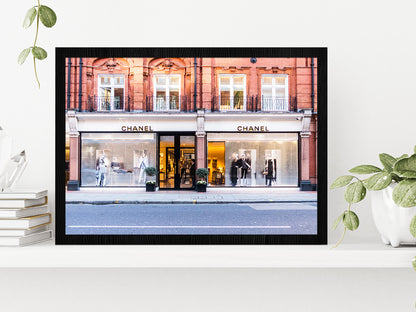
(232, 91)
(167, 92)
(112, 86)
(274, 86)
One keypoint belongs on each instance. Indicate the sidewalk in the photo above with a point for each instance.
(108, 195)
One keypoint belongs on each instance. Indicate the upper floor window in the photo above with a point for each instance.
(166, 92)
(110, 93)
(274, 92)
(232, 92)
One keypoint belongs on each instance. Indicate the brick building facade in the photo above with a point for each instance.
(234, 116)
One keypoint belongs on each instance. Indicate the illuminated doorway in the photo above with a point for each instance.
(177, 161)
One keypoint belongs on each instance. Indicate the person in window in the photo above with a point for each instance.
(192, 172)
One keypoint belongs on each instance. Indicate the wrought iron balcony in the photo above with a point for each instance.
(274, 104)
(168, 104)
(254, 104)
(109, 103)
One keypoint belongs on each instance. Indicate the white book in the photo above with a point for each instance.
(13, 232)
(23, 194)
(23, 212)
(25, 223)
(23, 203)
(25, 240)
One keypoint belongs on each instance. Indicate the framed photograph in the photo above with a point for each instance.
(191, 145)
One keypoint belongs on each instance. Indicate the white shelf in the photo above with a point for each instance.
(47, 255)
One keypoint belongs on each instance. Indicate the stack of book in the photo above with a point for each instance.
(24, 218)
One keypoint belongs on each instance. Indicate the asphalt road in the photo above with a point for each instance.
(218, 219)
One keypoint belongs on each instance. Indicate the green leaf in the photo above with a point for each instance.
(403, 156)
(22, 56)
(414, 263)
(342, 181)
(407, 174)
(387, 161)
(414, 150)
(30, 17)
(355, 192)
(378, 181)
(351, 221)
(404, 194)
(39, 53)
(406, 167)
(365, 169)
(412, 227)
(47, 16)
(338, 220)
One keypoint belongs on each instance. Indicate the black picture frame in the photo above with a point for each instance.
(320, 53)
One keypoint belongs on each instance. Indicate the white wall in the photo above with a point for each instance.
(371, 109)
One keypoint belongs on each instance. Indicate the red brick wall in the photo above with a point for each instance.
(139, 81)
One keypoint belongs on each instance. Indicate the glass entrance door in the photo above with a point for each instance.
(177, 161)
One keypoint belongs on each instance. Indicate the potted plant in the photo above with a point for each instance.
(393, 202)
(150, 181)
(201, 184)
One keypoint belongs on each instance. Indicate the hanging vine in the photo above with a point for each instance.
(45, 15)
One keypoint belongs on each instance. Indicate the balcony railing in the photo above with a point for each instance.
(168, 104)
(109, 103)
(185, 104)
(254, 104)
(230, 103)
(274, 104)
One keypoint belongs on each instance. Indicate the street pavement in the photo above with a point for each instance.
(192, 219)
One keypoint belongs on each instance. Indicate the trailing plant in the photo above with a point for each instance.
(202, 173)
(150, 171)
(45, 15)
(400, 171)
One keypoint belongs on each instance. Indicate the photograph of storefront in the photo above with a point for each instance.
(252, 122)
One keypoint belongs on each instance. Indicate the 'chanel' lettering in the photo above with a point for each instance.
(137, 128)
(252, 129)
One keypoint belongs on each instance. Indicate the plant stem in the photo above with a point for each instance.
(34, 44)
(342, 237)
(343, 234)
(36, 74)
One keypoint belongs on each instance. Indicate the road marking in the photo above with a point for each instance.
(186, 226)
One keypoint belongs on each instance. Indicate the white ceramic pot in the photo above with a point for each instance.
(391, 220)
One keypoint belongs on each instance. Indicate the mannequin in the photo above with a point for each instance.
(102, 170)
(234, 167)
(245, 166)
(143, 164)
(269, 166)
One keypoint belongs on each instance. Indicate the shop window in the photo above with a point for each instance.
(241, 160)
(274, 93)
(116, 159)
(166, 92)
(110, 93)
(232, 92)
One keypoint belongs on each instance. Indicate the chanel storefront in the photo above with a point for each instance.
(239, 150)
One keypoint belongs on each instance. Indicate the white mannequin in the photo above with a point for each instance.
(143, 164)
(102, 169)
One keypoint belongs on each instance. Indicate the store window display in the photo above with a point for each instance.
(246, 159)
(116, 159)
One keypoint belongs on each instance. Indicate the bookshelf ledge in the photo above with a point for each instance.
(47, 255)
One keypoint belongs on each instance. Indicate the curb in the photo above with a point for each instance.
(143, 202)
